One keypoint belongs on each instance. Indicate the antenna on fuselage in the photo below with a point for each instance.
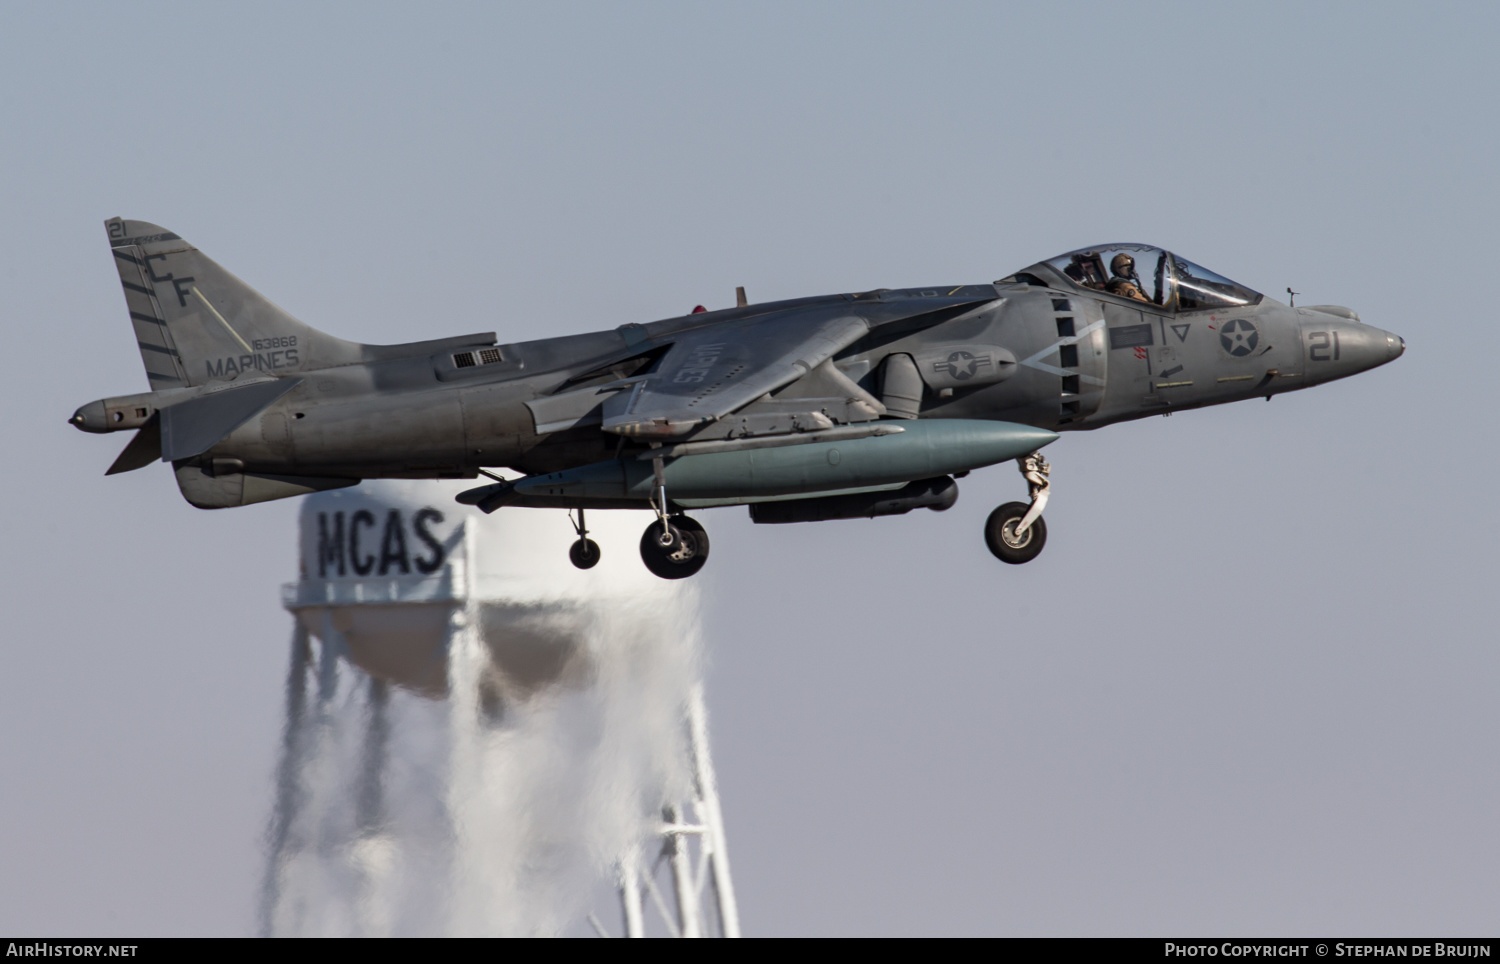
(739, 297)
(1292, 302)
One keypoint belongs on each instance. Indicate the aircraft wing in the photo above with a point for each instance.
(712, 371)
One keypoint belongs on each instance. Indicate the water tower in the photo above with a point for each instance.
(476, 730)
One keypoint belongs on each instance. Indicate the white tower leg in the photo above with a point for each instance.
(709, 812)
(465, 802)
(372, 849)
(689, 904)
(675, 836)
(290, 791)
(630, 895)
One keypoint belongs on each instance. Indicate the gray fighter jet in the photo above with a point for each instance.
(833, 407)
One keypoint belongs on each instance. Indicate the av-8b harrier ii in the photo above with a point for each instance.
(832, 407)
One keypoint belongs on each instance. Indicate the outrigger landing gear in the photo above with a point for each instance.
(584, 553)
(674, 546)
(1016, 532)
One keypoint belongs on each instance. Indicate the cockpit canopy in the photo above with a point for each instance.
(1143, 273)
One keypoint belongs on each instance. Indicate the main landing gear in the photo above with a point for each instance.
(674, 546)
(1016, 532)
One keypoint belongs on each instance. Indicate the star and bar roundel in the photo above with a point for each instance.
(1239, 337)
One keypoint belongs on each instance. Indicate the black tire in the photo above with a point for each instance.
(585, 553)
(999, 531)
(684, 557)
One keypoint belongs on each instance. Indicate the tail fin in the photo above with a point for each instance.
(196, 322)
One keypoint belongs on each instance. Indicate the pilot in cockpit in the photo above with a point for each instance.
(1125, 283)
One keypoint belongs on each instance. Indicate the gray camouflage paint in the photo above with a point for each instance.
(249, 404)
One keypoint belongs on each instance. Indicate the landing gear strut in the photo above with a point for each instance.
(674, 546)
(1016, 532)
(584, 553)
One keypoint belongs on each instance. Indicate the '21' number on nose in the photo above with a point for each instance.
(1318, 343)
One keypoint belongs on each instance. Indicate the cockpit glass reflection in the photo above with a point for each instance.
(1147, 274)
(1198, 288)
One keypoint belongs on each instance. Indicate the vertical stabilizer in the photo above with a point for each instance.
(196, 323)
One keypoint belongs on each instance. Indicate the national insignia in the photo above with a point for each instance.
(1239, 337)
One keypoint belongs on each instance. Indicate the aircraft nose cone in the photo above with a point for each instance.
(1339, 349)
(1384, 345)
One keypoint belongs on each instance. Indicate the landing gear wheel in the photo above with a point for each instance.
(1000, 534)
(685, 552)
(585, 553)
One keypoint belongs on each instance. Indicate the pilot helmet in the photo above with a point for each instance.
(1123, 265)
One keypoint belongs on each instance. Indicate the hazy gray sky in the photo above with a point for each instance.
(1250, 686)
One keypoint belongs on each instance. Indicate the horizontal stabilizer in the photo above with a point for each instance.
(193, 427)
(144, 449)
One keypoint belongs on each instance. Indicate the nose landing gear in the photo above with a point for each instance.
(1016, 532)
